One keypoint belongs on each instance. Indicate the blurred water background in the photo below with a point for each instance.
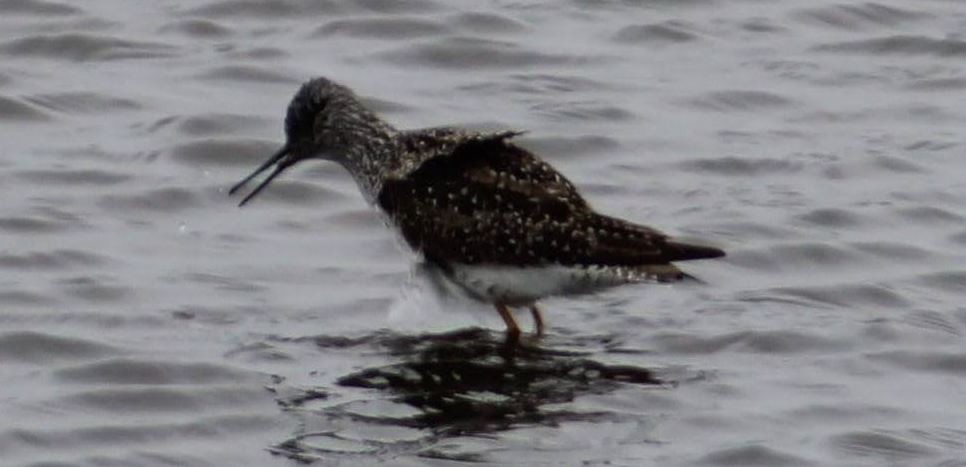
(145, 320)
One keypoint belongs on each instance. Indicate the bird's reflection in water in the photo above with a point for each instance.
(471, 381)
(468, 382)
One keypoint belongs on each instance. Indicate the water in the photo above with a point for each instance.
(145, 320)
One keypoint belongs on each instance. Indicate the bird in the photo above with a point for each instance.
(499, 221)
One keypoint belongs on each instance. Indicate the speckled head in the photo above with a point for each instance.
(309, 115)
(325, 120)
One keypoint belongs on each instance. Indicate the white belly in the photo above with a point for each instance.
(514, 285)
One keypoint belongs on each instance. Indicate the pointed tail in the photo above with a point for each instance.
(675, 251)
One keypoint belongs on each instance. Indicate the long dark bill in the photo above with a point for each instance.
(282, 164)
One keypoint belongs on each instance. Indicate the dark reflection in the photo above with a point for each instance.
(471, 381)
(460, 383)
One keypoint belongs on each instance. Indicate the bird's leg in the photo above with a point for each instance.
(537, 318)
(511, 324)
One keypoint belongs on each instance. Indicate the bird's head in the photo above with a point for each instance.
(310, 130)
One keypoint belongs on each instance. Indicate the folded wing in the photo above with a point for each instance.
(489, 201)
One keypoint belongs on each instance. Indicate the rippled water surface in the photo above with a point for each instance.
(146, 320)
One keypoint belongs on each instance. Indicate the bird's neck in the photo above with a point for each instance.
(366, 145)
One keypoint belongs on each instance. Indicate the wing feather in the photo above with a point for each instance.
(489, 201)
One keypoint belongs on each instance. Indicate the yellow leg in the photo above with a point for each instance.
(511, 324)
(537, 318)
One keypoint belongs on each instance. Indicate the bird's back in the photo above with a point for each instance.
(486, 201)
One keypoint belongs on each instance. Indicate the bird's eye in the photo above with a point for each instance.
(302, 111)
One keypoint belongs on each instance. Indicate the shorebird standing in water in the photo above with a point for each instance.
(501, 223)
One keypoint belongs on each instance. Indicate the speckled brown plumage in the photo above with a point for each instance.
(490, 201)
(469, 201)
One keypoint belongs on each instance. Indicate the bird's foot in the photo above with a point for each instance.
(537, 319)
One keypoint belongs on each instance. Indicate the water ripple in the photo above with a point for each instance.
(85, 47)
(133, 433)
(882, 445)
(54, 260)
(796, 257)
(36, 347)
(834, 217)
(127, 371)
(94, 289)
(893, 251)
(846, 295)
(23, 297)
(83, 103)
(669, 32)
(13, 109)
(246, 73)
(861, 16)
(305, 8)
(743, 166)
(126, 401)
(537, 83)
(218, 152)
(160, 200)
(948, 281)
(264, 9)
(768, 342)
(953, 363)
(487, 22)
(754, 455)
(41, 221)
(381, 28)
(741, 101)
(198, 28)
(466, 52)
(74, 177)
(916, 45)
(938, 84)
(578, 111)
(37, 7)
(929, 215)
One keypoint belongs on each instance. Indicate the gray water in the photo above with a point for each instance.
(146, 320)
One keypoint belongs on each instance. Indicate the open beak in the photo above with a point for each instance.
(282, 160)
